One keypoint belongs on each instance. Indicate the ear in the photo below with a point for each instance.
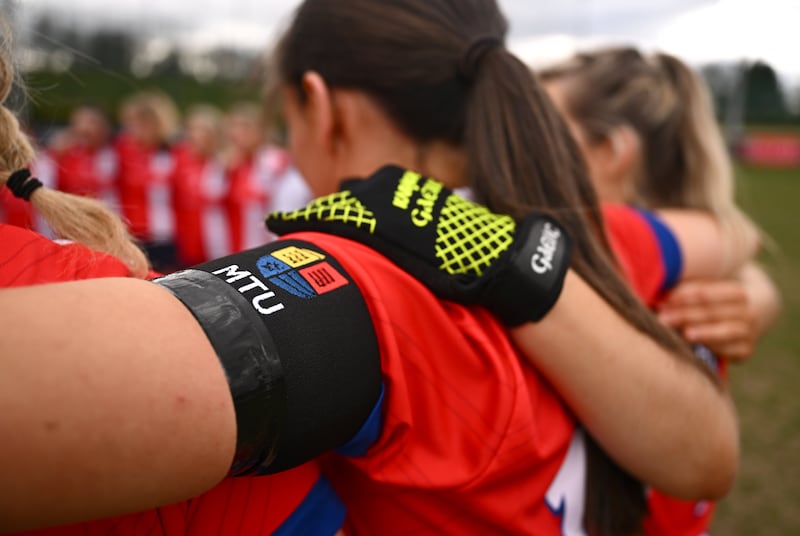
(319, 111)
(624, 150)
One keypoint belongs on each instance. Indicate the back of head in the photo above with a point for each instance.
(440, 71)
(684, 161)
(71, 217)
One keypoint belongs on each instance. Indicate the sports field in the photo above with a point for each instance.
(766, 497)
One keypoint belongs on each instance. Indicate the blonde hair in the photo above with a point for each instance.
(252, 113)
(210, 117)
(685, 161)
(79, 219)
(157, 106)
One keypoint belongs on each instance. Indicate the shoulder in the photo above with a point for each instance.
(296, 303)
(646, 248)
(434, 354)
(29, 258)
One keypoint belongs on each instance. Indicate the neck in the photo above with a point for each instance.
(377, 141)
(615, 193)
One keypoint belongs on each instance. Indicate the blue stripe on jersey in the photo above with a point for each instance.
(367, 434)
(670, 250)
(321, 513)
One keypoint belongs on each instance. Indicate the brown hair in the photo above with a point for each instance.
(684, 163)
(405, 54)
(71, 217)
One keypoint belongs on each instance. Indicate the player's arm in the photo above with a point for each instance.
(636, 379)
(113, 401)
(708, 249)
(121, 395)
(653, 413)
(640, 400)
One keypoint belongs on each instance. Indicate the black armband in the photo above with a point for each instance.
(296, 340)
(250, 360)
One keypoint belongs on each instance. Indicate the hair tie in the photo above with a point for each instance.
(477, 49)
(20, 186)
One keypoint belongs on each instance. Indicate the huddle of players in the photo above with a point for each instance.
(188, 197)
(646, 250)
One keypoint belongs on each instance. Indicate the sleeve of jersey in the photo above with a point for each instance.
(452, 384)
(28, 258)
(299, 501)
(295, 338)
(646, 249)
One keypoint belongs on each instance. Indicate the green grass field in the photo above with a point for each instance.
(766, 497)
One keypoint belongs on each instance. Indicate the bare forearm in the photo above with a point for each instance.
(657, 416)
(710, 250)
(114, 401)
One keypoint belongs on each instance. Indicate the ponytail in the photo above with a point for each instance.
(684, 161)
(707, 181)
(521, 158)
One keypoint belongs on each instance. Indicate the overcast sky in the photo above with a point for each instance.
(541, 30)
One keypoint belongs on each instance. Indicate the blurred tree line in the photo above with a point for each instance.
(751, 93)
(66, 66)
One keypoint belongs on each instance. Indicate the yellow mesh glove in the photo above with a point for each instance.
(459, 249)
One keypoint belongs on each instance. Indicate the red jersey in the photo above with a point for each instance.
(471, 440)
(16, 211)
(144, 189)
(28, 258)
(253, 185)
(89, 171)
(199, 188)
(647, 251)
(507, 458)
(651, 260)
(298, 501)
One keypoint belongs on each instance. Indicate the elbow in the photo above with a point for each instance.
(718, 479)
(712, 471)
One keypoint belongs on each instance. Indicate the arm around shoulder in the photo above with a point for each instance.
(664, 421)
(111, 385)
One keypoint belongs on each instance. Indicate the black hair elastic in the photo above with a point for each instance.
(477, 49)
(20, 186)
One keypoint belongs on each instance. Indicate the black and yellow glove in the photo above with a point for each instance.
(459, 249)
